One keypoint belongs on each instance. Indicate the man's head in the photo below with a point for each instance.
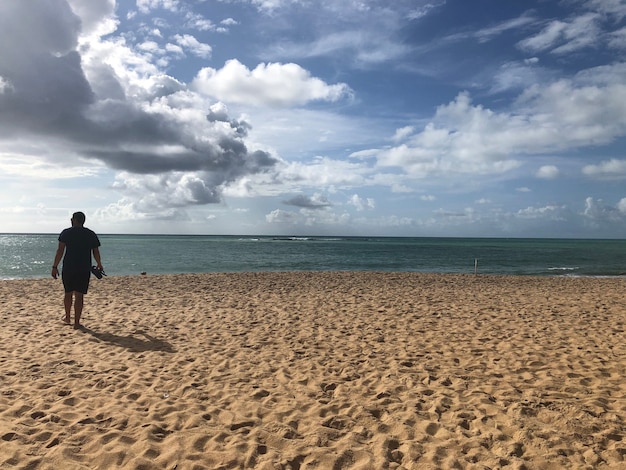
(78, 218)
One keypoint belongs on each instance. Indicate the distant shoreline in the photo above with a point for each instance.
(29, 256)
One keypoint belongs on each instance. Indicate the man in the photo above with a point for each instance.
(78, 243)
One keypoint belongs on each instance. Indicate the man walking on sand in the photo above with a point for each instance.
(78, 243)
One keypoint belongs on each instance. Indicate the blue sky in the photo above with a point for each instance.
(404, 118)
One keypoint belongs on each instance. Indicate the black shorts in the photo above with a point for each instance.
(76, 281)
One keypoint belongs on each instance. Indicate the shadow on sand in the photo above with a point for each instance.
(132, 342)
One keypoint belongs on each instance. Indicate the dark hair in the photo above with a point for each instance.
(79, 217)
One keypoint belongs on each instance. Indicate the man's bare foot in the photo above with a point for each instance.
(77, 326)
(66, 320)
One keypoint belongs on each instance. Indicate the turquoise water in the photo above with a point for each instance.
(31, 255)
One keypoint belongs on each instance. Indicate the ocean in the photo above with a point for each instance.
(30, 255)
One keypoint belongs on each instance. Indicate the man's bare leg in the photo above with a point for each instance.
(67, 301)
(78, 308)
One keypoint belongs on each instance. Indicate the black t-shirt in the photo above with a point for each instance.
(79, 241)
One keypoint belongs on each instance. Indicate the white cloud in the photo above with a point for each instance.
(561, 37)
(613, 169)
(97, 18)
(270, 5)
(35, 166)
(617, 39)
(614, 8)
(324, 172)
(200, 23)
(598, 213)
(601, 76)
(192, 44)
(421, 11)
(516, 76)
(552, 212)
(274, 84)
(151, 193)
(150, 46)
(304, 219)
(548, 172)
(403, 133)
(362, 204)
(94, 99)
(491, 32)
(5, 85)
(466, 138)
(586, 30)
(146, 6)
(279, 216)
(461, 138)
(362, 33)
(567, 114)
(359, 46)
(112, 106)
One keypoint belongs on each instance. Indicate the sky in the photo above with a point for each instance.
(457, 118)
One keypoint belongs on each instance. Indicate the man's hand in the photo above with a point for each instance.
(55, 272)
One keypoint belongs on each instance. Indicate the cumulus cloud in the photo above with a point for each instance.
(193, 45)
(108, 103)
(146, 6)
(516, 76)
(273, 84)
(279, 217)
(598, 213)
(304, 219)
(325, 172)
(168, 190)
(403, 133)
(36, 166)
(463, 138)
(80, 97)
(314, 202)
(548, 172)
(613, 169)
(551, 211)
(360, 203)
(129, 210)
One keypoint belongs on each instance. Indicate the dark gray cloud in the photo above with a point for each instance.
(221, 115)
(307, 202)
(44, 82)
(46, 93)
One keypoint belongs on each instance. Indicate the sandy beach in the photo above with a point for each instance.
(320, 370)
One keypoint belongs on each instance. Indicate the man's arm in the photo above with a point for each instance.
(57, 259)
(96, 256)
